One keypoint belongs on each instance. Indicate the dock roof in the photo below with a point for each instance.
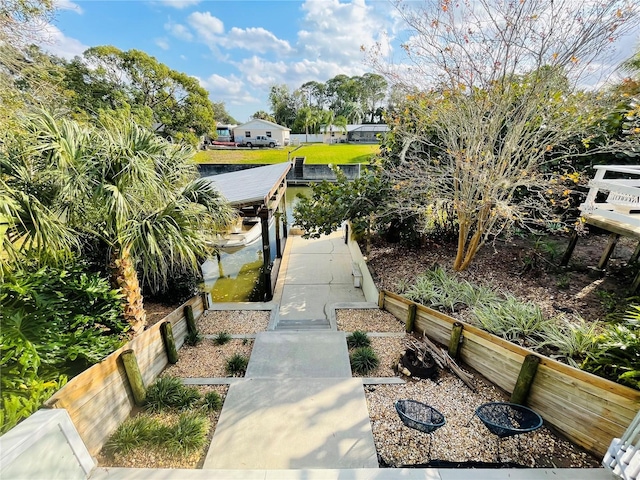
(254, 186)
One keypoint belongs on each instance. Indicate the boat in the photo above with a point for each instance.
(247, 231)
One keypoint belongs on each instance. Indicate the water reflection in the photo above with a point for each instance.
(234, 274)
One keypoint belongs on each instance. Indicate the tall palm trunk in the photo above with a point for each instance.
(125, 278)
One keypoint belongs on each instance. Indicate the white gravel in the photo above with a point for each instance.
(233, 321)
(207, 360)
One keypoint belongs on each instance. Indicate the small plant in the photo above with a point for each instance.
(571, 341)
(189, 396)
(132, 433)
(358, 339)
(221, 338)
(440, 290)
(212, 401)
(617, 353)
(186, 435)
(237, 365)
(517, 321)
(563, 282)
(169, 392)
(193, 338)
(363, 360)
(402, 286)
(189, 434)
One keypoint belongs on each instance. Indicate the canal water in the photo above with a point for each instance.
(234, 275)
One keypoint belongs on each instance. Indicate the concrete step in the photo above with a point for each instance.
(320, 324)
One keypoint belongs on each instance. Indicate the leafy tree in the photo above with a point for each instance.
(262, 115)
(119, 183)
(374, 90)
(332, 203)
(20, 20)
(317, 91)
(180, 107)
(284, 105)
(221, 115)
(495, 104)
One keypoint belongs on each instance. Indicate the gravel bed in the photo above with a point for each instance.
(367, 320)
(146, 457)
(233, 321)
(207, 360)
(460, 440)
(388, 350)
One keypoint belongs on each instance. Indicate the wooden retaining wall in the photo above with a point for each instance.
(100, 398)
(587, 409)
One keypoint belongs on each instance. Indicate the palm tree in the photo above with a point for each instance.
(137, 193)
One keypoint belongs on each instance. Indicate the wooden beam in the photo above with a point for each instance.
(569, 251)
(266, 254)
(608, 251)
(636, 254)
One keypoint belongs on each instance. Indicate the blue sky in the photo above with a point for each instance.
(239, 49)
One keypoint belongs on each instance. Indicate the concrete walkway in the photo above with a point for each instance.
(314, 275)
(298, 414)
(298, 406)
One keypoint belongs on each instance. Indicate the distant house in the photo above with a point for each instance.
(256, 127)
(366, 133)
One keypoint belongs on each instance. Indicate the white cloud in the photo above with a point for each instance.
(232, 91)
(163, 43)
(180, 4)
(222, 85)
(210, 31)
(255, 39)
(55, 42)
(179, 31)
(206, 26)
(335, 31)
(67, 5)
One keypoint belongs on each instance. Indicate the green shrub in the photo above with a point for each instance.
(21, 403)
(363, 360)
(221, 338)
(571, 341)
(189, 434)
(517, 321)
(55, 321)
(438, 289)
(212, 401)
(193, 338)
(237, 365)
(169, 392)
(358, 339)
(617, 354)
(131, 433)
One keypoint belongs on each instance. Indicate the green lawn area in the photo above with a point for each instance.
(315, 153)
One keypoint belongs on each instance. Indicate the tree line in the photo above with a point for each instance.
(339, 101)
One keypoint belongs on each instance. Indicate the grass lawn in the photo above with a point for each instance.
(315, 153)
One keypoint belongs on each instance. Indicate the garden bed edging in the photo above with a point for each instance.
(100, 398)
(587, 409)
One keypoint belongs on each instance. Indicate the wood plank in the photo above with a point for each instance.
(595, 440)
(96, 428)
(575, 416)
(595, 380)
(91, 378)
(576, 394)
